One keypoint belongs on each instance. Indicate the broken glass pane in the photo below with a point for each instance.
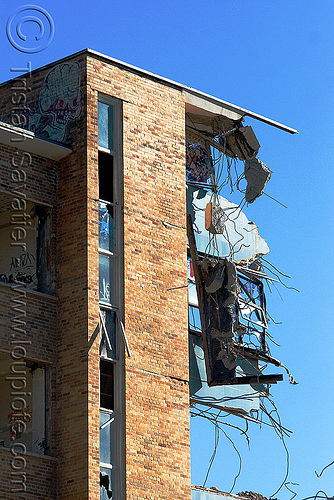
(243, 241)
(243, 397)
(105, 125)
(252, 302)
(106, 483)
(106, 227)
(105, 437)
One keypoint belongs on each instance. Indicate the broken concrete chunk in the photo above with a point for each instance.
(242, 143)
(228, 359)
(215, 218)
(256, 265)
(221, 273)
(257, 175)
(231, 282)
(215, 278)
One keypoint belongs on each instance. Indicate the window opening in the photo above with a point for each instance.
(25, 235)
(107, 385)
(111, 333)
(108, 333)
(23, 418)
(106, 177)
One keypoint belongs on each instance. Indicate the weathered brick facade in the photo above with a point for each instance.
(156, 374)
(63, 325)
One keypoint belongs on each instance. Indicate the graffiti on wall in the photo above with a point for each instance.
(18, 416)
(22, 270)
(59, 103)
(24, 261)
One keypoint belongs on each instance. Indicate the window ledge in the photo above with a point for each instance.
(33, 292)
(31, 454)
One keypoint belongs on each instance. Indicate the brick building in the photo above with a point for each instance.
(94, 308)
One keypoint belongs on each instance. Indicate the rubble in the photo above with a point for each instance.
(257, 175)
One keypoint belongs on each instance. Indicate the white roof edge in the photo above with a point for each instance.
(27, 141)
(239, 110)
(190, 90)
(203, 95)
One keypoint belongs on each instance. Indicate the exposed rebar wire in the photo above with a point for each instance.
(214, 419)
(281, 432)
(279, 279)
(272, 265)
(274, 199)
(277, 290)
(318, 475)
(177, 287)
(213, 454)
(294, 492)
(274, 421)
(272, 319)
(314, 497)
(271, 338)
(165, 224)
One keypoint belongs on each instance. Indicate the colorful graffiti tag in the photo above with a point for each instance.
(59, 103)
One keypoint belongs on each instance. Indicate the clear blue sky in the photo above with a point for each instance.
(274, 58)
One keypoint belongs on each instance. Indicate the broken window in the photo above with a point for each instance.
(228, 320)
(110, 272)
(110, 408)
(241, 398)
(25, 233)
(107, 385)
(24, 406)
(108, 234)
(108, 327)
(226, 296)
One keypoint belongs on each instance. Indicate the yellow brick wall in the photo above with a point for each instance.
(156, 374)
(65, 331)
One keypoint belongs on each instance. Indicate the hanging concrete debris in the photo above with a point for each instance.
(215, 218)
(221, 354)
(215, 276)
(215, 312)
(227, 314)
(257, 175)
(241, 143)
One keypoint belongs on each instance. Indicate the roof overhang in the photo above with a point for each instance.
(27, 141)
(203, 104)
(193, 97)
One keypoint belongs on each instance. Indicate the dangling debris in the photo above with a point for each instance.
(257, 175)
(216, 276)
(255, 265)
(215, 218)
(242, 143)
